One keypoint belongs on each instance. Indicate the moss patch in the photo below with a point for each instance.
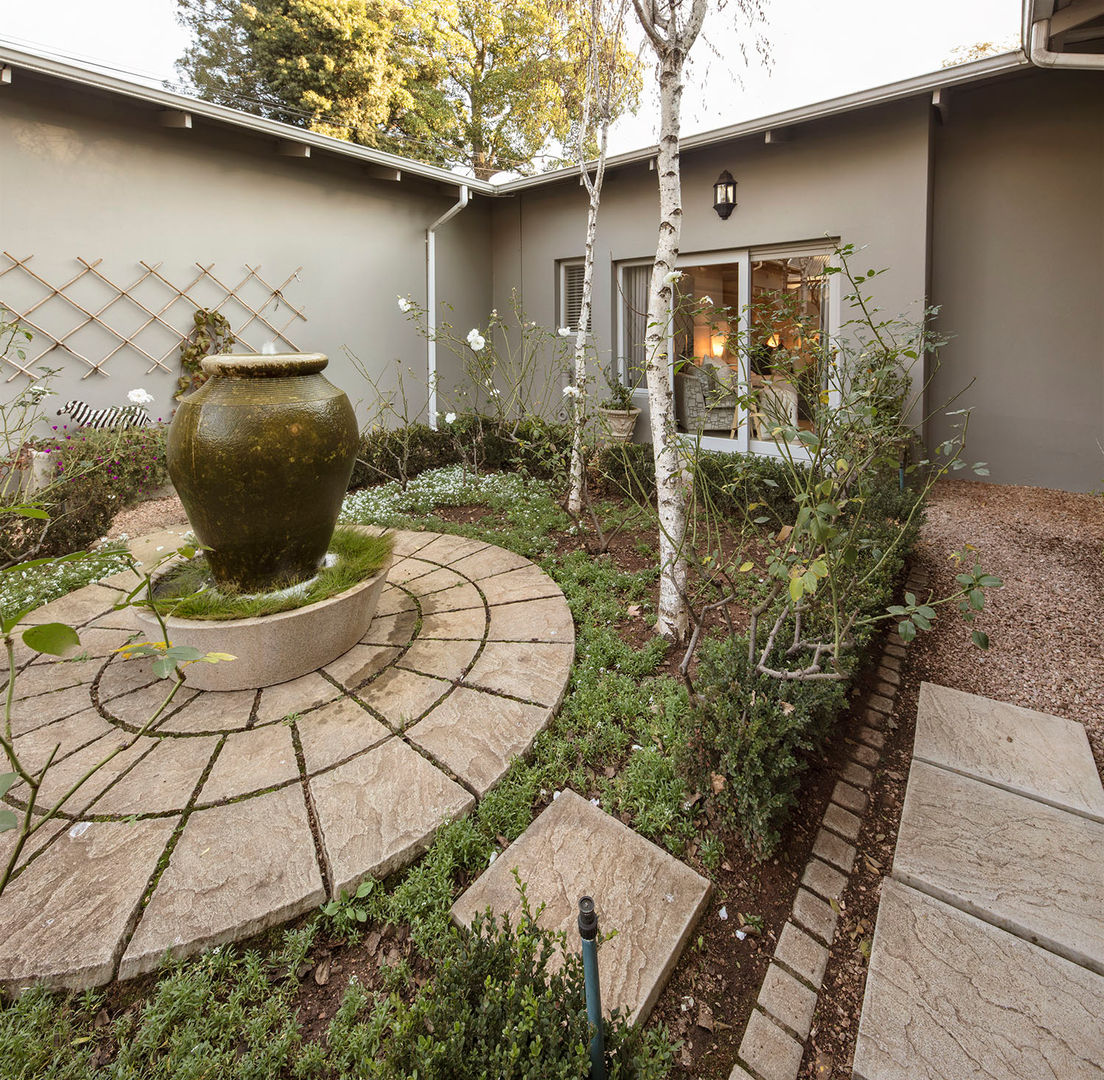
(187, 591)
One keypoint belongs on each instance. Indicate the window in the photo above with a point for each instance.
(633, 282)
(571, 293)
(787, 340)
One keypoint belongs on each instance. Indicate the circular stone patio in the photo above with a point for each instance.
(243, 809)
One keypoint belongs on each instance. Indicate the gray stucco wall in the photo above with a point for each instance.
(860, 178)
(1018, 250)
(95, 176)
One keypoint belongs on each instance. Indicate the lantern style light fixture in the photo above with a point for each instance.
(724, 195)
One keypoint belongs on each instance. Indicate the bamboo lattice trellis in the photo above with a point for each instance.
(252, 305)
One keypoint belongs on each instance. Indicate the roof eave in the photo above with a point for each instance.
(99, 80)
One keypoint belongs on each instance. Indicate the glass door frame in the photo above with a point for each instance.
(742, 258)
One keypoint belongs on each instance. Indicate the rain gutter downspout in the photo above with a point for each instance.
(1041, 56)
(431, 299)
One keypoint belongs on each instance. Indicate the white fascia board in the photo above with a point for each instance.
(12, 56)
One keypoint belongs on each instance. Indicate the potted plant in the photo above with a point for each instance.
(617, 410)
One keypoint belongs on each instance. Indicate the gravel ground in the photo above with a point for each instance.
(147, 517)
(1046, 650)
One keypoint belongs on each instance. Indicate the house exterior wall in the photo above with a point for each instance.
(1018, 249)
(95, 176)
(861, 178)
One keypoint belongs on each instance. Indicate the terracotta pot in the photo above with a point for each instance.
(261, 456)
(618, 424)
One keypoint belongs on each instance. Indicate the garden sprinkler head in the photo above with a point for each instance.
(588, 919)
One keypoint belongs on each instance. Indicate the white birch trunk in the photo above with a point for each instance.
(599, 92)
(659, 19)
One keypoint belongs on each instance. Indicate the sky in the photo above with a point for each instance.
(817, 49)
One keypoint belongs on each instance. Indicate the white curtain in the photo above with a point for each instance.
(635, 282)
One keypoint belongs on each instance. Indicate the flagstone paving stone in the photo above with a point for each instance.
(533, 671)
(640, 891)
(380, 810)
(250, 761)
(63, 920)
(1043, 756)
(445, 659)
(242, 855)
(337, 731)
(359, 664)
(1025, 866)
(164, 779)
(477, 735)
(533, 620)
(76, 608)
(951, 996)
(209, 894)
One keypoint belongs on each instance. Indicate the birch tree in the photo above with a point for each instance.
(671, 31)
(603, 73)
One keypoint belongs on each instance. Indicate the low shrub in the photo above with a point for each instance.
(725, 482)
(401, 453)
(97, 473)
(760, 733)
(499, 1004)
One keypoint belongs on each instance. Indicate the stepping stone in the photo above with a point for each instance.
(1014, 862)
(208, 894)
(478, 735)
(62, 921)
(382, 809)
(949, 997)
(574, 849)
(1029, 752)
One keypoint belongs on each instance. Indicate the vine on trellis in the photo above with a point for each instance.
(212, 335)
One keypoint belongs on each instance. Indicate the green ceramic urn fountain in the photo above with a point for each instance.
(261, 456)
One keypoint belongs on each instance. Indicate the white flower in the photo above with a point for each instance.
(595, 802)
(555, 795)
(476, 340)
(450, 418)
(405, 304)
(572, 391)
(741, 934)
(707, 301)
(493, 391)
(140, 396)
(494, 855)
(722, 914)
(672, 277)
(565, 331)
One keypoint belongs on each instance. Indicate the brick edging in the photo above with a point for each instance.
(774, 1040)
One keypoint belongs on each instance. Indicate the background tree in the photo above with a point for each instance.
(486, 83)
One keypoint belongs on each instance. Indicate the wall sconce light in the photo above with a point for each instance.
(724, 195)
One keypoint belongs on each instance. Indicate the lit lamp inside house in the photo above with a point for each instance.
(724, 195)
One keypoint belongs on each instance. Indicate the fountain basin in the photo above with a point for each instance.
(273, 649)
